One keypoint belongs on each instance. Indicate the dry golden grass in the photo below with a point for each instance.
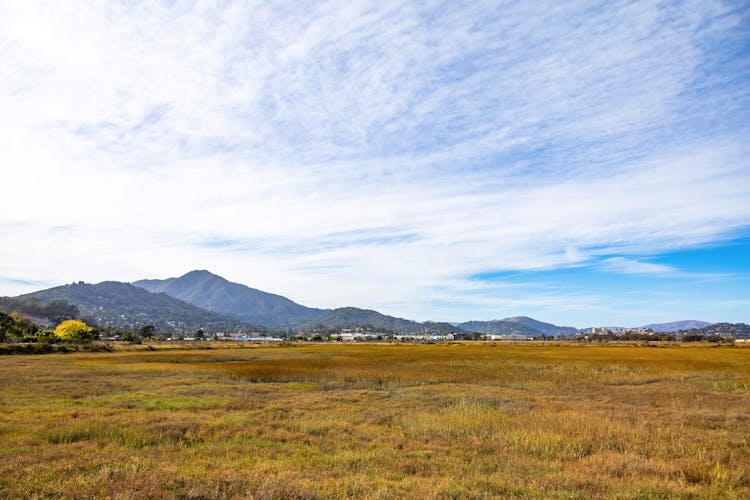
(366, 420)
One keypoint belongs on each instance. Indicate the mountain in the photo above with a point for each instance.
(688, 324)
(125, 305)
(209, 291)
(214, 293)
(499, 327)
(540, 326)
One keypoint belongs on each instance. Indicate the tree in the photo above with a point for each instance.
(46, 336)
(199, 334)
(57, 310)
(131, 337)
(74, 330)
(8, 327)
(148, 331)
(25, 325)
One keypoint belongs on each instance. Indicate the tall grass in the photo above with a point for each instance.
(368, 420)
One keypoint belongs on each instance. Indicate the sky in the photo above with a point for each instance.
(584, 163)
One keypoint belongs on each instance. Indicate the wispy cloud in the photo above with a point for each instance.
(632, 266)
(626, 265)
(368, 152)
(23, 282)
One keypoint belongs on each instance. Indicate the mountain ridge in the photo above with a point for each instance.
(215, 293)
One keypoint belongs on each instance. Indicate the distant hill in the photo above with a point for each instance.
(517, 325)
(540, 326)
(688, 324)
(737, 330)
(435, 327)
(347, 317)
(125, 305)
(351, 316)
(214, 293)
(499, 327)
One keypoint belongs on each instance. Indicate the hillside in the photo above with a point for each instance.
(737, 330)
(673, 326)
(352, 316)
(214, 293)
(125, 305)
(41, 312)
(542, 327)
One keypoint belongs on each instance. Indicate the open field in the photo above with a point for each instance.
(366, 420)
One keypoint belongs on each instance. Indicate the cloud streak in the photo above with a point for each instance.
(631, 266)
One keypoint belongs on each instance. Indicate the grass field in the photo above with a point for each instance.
(366, 420)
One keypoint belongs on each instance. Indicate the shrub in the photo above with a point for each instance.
(75, 330)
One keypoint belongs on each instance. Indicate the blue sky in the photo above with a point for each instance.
(585, 163)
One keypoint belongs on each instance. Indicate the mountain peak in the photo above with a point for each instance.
(209, 291)
(200, 273)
